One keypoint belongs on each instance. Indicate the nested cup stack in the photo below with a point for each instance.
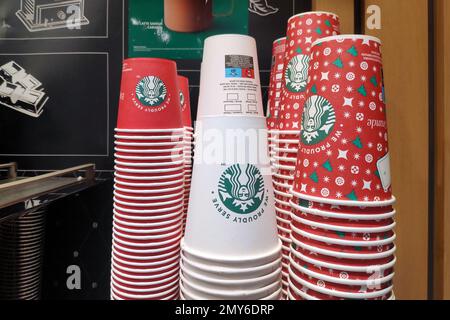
(230, 250)
(188, 140)
(275, 85)
(302, 30)
(342, 215)
(149, 183)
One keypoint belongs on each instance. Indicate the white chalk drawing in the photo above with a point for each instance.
(43, 15)
(21, 91)
(261, 8)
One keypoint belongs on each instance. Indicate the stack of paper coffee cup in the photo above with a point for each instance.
(302, 30)
(231, 250)
(188, 140)
(149, 183)
(342, 216)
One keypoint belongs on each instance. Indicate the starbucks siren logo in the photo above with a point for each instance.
(241, 188)
(151, 91)
(318, 120)
(296, 74)
(182, 101)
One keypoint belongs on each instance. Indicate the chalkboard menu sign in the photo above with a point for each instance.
(60, 64)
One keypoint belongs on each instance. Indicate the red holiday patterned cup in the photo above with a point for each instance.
(302, 30)
(344, 155)
(149, 97)
(276, 79)
(185, 101)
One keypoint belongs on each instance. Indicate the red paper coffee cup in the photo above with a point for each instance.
(302, 30)
(185, 101)
(149, 97)
(344, 154)
(276, 78)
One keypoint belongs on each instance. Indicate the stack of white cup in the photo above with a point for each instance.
(231, 250)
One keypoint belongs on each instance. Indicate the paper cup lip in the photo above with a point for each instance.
(232, 260)
(148, 191)
(155, 263)
(148, 130)
(142, 225)
(232, 36)
(144, 284)
(230, 270)
(173, 138)
(337, 254)
(278, 40)
(340, 294)
(149, 178)
(150, 164)
(174, 246)
(144, 151)
(233, 293)
(141, 257)
(144, 144)
(146, 211)
(368, 204)
(300, 293)
(313, 13)
(343, 242)
(143, 185)
(149, 171)
(283, 220)
(283, 194)
(329, 214)
(343, 267)
(148, 237)
(139, 297)
(177, 224)
(147, 245)
(150, 270)
(230, 282)
(346, 37)
(341, 228)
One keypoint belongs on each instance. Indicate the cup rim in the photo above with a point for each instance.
(156, 224)
(147, 264)
(144, 144)
(329, 214)
(148, 211)
(147, 231)
(150, 151)
(368, 204)
(147, 237)
(151, 270)
(152, 296)
(337, 254)
(149, 178)
(143, 284)
(149, 218)
(311, 13)
(149, 164)
(346, 37)
(233, 260)
(174, 138)
(340, 294)
(343, 267)
(343, 229)
(148, 191)
(170, 157)
(119, 245)
(231, 282)
(147, 205)
(232, 293)
(344, 242)
(229, 271)
(147, 171)
(338, 280)
(148, 130)
(142, 185)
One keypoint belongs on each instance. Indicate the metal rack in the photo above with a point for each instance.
(21, 195)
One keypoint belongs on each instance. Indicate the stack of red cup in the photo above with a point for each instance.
(342, 216)
(276, 81)
(188, 140)
(149, 183)
(302, 30)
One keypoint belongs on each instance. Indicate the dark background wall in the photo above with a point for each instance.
(78, 122)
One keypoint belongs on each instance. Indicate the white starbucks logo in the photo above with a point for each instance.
(297, 73)
(319, 119)
(151, 91)
(241, 188)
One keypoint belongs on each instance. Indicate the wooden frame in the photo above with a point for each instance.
(441, 230)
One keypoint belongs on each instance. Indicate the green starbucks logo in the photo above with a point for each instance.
(319, 119)
(296, 74)
(151, 91)
(182, 101)
(241, 188)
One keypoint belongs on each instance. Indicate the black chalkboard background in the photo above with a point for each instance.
(78, 122)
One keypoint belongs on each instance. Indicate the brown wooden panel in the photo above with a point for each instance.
(343, 8)
(404, 34)
(442, 152)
